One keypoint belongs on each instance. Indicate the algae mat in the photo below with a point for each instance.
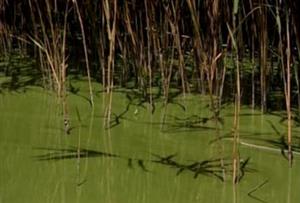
(143, 153)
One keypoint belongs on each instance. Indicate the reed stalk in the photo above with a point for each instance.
(288, 87)
(235, 151)
(285, 57)
(85, 52)
(111, 32)
(263, 54)
(52, 46)
(149, 54)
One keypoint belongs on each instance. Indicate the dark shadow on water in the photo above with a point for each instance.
(243, 114)
(139, 99)
(209, 167)
(284, 118)
(174, 124)
(72, 89)
(171, 124)
(56, 154)
(20, 74)
(250, 193)
(116, 118)
(76, 91)
(142, 165)
(183, 129)
(281, 142)
(243, 168)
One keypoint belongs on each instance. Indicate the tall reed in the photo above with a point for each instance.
(237, 103)
(52, 44)
(85, 52)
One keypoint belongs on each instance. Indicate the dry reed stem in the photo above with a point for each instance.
(85, 52)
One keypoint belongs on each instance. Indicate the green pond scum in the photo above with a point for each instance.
(176, 153)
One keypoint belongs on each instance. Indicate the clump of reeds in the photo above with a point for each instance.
(150, 43)
(50, 37)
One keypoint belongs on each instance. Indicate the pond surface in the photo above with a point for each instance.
(145, 153)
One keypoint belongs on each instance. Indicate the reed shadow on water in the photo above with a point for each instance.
(209, 167)
(171, 124)
(20, 75)
(138, 99)
(175, 124)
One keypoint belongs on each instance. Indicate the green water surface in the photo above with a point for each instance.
(123, 160)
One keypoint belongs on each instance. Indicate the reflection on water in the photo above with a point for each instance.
(146, 153)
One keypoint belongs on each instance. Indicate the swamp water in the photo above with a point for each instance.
(147, 153)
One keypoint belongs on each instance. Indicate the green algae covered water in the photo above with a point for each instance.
(144, 153)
